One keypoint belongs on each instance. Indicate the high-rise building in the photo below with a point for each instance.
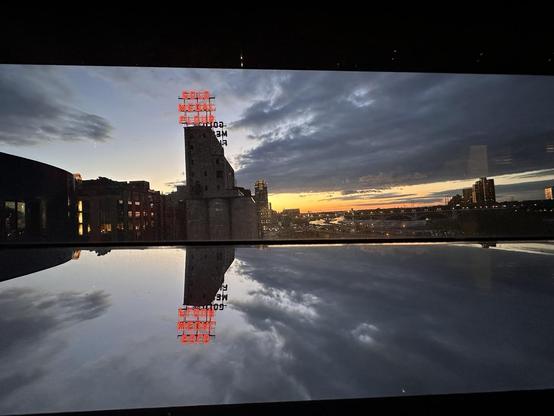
(263, 207)
(260, 194)
(215, 208)
(549, 192)
(467, 195)
(483, 192)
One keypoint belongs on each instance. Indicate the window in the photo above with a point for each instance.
(105, 228)
(219, 174)
(21, 216)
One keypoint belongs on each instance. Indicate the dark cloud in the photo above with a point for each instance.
(347, 131)
(36, 107)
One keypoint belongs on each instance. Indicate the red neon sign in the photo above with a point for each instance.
(199, 104)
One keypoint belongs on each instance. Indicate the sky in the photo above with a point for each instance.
(322, 140)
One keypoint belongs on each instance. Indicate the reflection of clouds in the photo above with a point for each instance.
(27, 317)
(364, 333)
(431, 327)
(308, 323)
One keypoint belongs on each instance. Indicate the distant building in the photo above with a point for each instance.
(215, 209)
(260, 194)
(483, 192)
(291, 212)
(37, 201)
(262, 206)
(109, 210)
(173, 214)
(467, 196)
(549, 192)
(456, 201)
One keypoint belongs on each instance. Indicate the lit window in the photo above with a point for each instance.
(80, 229)
(130, 214)
(80, 206)
(137, 202)
(105, 228)
(21, 215)
(80, 217)
(137, 214)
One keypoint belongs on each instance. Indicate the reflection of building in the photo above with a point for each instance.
(549, 192)
(20, 262)
(263, 207)
(204, 286)
(215, 209)
(205, 269)
(114, 211)
(37, 201)
(483, 191)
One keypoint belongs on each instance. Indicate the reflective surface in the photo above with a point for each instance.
(102, 330)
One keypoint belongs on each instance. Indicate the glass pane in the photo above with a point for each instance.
(294, 154)
(10, 220)
(21, 216)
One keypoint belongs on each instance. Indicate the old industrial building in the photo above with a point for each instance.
(215, 208)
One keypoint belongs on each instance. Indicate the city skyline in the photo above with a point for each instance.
(323, 141)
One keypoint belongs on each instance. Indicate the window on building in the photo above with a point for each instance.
(10, 219)
(205, 173)
(21, 216)
(130, 214)
(206, 187)
(105, 228)
(137, 214)
(219, 174)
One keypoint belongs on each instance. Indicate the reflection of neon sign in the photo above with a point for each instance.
(196, 324)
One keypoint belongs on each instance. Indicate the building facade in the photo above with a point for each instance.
(483, 192)
(37, 201)
(215, 208)
(110, 210)
(263, 207)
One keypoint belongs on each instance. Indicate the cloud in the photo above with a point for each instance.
(314, 133)
(36, 108)
(28, 315)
